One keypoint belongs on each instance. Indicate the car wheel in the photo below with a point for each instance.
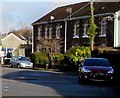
(10, 65)
(81, 79)
(18, 66)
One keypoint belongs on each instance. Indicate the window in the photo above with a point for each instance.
(38, 48)
(76, 30)
(85, 35)
(50, 32)
(39, 32)
(46, 32)
(57, 49)
(103, 28)
(58, 27)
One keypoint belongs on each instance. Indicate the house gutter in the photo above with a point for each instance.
(32, 40)
(81, 17)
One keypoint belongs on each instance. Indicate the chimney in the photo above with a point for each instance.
(20, 33)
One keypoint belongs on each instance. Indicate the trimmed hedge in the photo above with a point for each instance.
(39, 59)
(112, 56)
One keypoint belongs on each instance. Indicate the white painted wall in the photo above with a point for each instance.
(117, 30)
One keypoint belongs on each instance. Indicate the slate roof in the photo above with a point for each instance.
(19, 36)
(80, 9)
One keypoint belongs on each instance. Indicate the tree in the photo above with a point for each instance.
(49, 46)
(92, 29)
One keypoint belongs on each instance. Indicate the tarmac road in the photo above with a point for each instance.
(27, 82)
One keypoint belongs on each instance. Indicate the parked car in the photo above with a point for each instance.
(20, 62)
(95, 69)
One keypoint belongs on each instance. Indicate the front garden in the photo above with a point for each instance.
(70, 60)
(62, 62)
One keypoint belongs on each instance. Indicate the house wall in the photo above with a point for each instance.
(11, 41)
(99, 41)
(117, 30)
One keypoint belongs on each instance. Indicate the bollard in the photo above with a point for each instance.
(2, 61)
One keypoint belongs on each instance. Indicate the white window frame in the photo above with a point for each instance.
(103, 28)
(76, 26)
(58, 27)
(85, 34)
(46, 32)
(39, 48)
(39, 32)
(50, 32)
(57, 49)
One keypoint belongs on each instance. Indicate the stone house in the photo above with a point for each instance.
(71, 24)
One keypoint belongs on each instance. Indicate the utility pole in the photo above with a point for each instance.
(92, 10)
(92, 29)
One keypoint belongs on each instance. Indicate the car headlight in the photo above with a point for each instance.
(111, 71)
(85, 70)
(22, 63)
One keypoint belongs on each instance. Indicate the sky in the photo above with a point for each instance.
(17, 14)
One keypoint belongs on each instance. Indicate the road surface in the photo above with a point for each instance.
(28, 82)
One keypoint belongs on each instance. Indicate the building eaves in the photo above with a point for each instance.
(79, 10)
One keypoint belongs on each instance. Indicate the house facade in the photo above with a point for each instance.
(117, 29)
(12, 42)
(71, 24)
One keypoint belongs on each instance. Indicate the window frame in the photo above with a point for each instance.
(85, 34)
(39, 32)
(103, 28)
(58, 31)
(76, 29)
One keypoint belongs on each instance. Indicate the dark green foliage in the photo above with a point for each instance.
(39, 58)
(113, 57)
(78, 52)
(95, 53)
(58, 56)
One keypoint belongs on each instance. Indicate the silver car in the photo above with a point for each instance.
(20, 62)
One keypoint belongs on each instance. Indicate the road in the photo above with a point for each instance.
(27, 82)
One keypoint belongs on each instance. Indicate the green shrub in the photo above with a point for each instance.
(39, 58)
(59, 57)
(76, 53)
(95, 53)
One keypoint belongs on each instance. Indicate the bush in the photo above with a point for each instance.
(39, 58)
(113, 57)
(58, 56)
(95, 53)
(76, 53)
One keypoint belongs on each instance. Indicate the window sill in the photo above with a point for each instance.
(102, 35)
(75, 36)
(85, 36)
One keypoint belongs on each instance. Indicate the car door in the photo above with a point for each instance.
(14, 61)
